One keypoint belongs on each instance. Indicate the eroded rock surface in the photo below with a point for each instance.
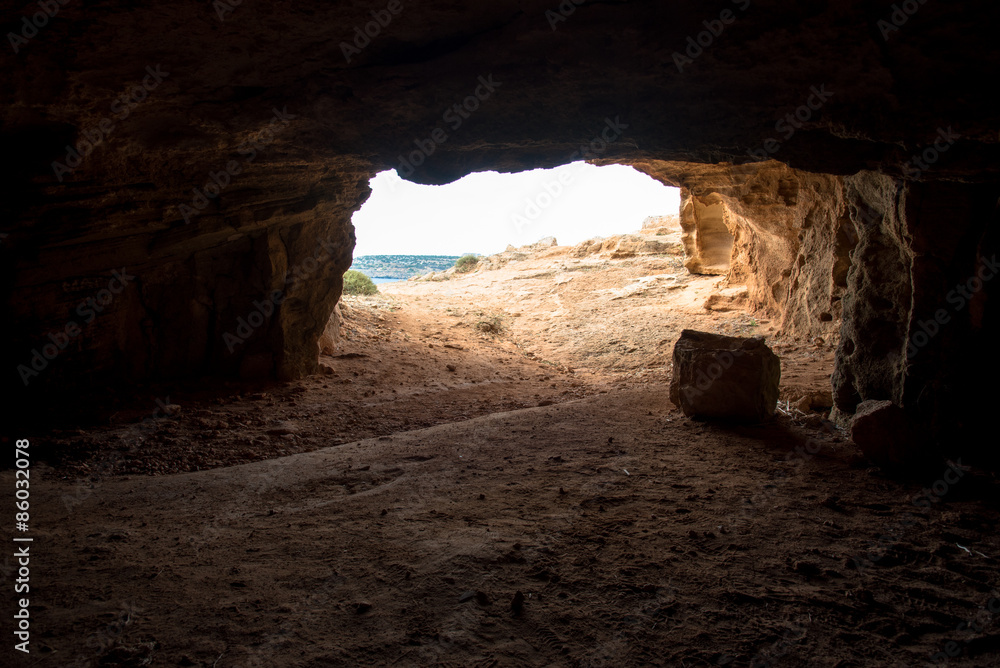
(781, 232)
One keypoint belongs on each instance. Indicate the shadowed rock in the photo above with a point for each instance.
(882, 431)
(724, 377)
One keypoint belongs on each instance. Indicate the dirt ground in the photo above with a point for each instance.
(490, 473)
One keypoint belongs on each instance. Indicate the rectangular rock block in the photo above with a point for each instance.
(725, 377)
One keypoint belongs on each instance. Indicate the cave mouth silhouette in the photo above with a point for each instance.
(485, 212)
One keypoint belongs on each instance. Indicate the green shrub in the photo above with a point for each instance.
(466, 263)
(356, 283)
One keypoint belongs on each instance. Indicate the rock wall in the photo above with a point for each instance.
(783, 232)
(920, 309)
(902, 267)
(244, 288)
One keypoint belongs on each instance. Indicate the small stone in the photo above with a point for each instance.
(361, 607)
(822, 400)
(282, 429)
(883, 432)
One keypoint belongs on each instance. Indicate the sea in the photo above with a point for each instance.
(389, 268)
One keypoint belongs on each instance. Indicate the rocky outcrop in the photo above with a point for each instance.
(622, 246)
(920, 312)
(782, 232)
(660, 225)
(724, 377)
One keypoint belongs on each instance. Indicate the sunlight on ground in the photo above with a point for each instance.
(483, 212)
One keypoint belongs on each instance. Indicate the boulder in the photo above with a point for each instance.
(725, 377)
(883, 432)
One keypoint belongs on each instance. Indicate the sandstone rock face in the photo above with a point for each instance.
(661, 224)
(780, 231)
(621, 246)
(708, 238)
(724, 377)
(247, 137)
(920, 313)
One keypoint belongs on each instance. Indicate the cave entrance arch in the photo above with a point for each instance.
(608, 300)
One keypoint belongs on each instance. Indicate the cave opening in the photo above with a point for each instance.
(486, 212)
(564, 268)
(473, 472)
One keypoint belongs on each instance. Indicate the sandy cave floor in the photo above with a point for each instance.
(491, 474)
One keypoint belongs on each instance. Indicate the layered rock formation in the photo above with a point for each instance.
(217, 151)
(783, 232)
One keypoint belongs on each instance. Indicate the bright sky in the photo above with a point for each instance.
(485, 211)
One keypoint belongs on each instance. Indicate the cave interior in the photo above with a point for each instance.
(186, 165)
